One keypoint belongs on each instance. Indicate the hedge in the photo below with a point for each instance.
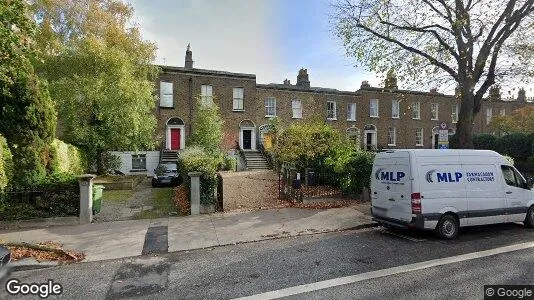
(195, 159)
(66, 158)
(6, 163)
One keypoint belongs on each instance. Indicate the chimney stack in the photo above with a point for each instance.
(188, 57)
(365, 84)
(287, 82)
(391, 81)
(302, 78)
(495, 93)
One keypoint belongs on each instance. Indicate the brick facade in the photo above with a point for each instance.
(187, 84)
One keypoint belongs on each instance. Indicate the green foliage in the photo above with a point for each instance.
(230, 163)
(307, 144)
(485, 141)
(56, 195)
(109, 162)
(516, 145)
(100, 73)
(207, 128)
(16, 43)
(352, 169)
(196, 159)
(65, 158)
(509, 159)
(6, 163)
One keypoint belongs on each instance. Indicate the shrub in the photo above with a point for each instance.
(195, 159)
(484, 141)
(516, 145)
(66, 158)
(509, 159)
(230, 163)
(110, 162)
(6, 163)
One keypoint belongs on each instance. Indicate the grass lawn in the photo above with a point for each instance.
(117, 196)
(162, 203)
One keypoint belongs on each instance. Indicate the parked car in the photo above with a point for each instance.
(166, 175)
(5, 257)
(443, 190)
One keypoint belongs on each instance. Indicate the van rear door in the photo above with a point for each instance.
(391, 186)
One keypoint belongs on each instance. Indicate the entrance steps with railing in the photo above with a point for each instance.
(168, 156)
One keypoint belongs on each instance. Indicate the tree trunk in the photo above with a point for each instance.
(464, 127)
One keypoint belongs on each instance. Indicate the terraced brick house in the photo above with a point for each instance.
(377, 117)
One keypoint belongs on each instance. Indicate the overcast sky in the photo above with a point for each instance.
(270, 38)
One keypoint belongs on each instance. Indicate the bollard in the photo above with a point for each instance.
(85, 182)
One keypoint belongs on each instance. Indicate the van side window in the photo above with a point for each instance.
(509, 175)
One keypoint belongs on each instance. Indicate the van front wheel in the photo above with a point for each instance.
(447, 227)
(529, 219)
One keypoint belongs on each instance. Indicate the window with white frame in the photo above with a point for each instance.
(331, 110)
(296, 106)
(165, 94)
(503, 111)
(238, 99)
(419, 136)
(392, 136)
(395, 108)
(489, 114)
(138, 161)
(351, 112)
(373, 108)
(416, 110)
(434, 111)
(454, 114)
(206, 94)
(270, 107)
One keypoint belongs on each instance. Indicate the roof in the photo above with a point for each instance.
(206, 72)
(291, 87)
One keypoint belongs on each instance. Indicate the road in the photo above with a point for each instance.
(371, 264)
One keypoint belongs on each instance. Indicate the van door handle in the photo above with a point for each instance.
(509, 192)
(391, 199)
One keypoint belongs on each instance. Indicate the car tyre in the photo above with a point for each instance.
(529, 218)
(154, 184)
(447, 227)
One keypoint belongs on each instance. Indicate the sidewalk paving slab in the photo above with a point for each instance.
(119, 239)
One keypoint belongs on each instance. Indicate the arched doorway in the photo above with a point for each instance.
(266, 137)
(370, 137)
(175, 134)
(353, 133)
(247, 135)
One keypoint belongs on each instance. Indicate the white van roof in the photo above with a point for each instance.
(444, 152)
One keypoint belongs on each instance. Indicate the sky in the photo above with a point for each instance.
(270, 38)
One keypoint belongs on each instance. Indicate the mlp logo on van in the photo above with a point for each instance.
(443, 176)
(389, 176)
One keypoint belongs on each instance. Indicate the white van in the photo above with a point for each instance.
(443, 190)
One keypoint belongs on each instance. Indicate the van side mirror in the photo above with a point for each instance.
(530, 183)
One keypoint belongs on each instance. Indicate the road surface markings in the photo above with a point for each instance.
(310, 287)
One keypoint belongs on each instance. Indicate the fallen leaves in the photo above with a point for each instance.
(45, 251)
(181, 199)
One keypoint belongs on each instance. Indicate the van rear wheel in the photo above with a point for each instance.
(447, 227)
(529, 218)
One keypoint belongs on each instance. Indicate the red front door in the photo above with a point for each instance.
(175, 138)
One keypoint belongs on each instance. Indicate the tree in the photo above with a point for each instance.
(100, 73)
(520, 121)
(27, 115)
(474, 43)
(207, 128)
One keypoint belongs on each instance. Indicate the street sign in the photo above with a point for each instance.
(443, 135)
(443, 146)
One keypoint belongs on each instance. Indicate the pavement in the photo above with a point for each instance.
(121, 239)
